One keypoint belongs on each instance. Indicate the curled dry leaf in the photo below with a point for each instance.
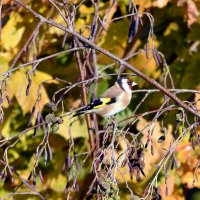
(191, 10)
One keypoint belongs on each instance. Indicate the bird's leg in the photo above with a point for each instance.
(110, 127)
(114, 121)
(106, 135)
(114, 129)
(107, 124)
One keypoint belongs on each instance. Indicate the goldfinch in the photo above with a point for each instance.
(113, 100)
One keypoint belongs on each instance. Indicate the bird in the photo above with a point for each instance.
(114, 100)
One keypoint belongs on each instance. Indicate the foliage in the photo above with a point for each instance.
(150, 151)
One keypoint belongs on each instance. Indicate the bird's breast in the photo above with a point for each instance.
(121, 103)
(124, 99)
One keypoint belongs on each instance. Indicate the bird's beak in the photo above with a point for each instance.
(134, 83)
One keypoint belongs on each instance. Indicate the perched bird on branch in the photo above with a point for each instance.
(113, 100)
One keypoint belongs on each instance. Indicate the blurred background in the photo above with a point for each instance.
(176, 29)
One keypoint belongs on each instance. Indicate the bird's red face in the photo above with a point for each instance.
(131, 83)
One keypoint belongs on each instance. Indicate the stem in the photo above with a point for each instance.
(83, 87)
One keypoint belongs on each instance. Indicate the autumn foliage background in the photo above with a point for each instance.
(41, 82)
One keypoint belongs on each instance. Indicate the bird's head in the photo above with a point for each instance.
(125, 83)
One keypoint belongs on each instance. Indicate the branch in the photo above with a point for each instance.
(118, 60)
(171, 90)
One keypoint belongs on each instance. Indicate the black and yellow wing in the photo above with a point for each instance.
(98, 103)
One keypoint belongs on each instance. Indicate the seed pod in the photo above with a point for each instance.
(161, 139)
(133, 29)
(41, 177)
(152, 150)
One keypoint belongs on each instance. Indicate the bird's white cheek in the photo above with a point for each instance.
(125, 86)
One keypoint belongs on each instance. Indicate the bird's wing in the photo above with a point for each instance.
(112, 92)
(98, 103)
(102, 102)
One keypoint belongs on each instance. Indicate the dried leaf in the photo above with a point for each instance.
(191, 12)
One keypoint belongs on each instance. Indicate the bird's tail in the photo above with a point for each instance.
(95, 104)
(82, 111)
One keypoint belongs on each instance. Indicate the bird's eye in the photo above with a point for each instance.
(129, 82)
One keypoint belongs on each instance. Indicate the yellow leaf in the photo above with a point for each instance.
(188, 177)
(76, 129)
(11, 34)
(57, 183)
(86, 10)
(17, 85)
(171, 27)
(148, 66)
(81, 25)
(6, 128)
(53, 30)
(4, 63)
(13, 155)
